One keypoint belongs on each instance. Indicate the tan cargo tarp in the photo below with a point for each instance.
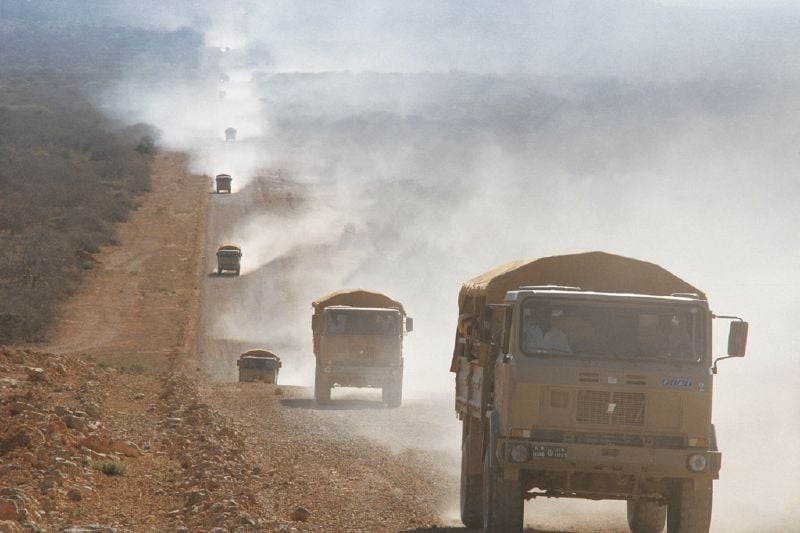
(357, 298)
(591, 271)
(259, 353)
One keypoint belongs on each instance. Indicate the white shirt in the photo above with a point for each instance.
(554, 339)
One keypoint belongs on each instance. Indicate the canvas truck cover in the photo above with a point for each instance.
(591, 271)
(356, 298)
(259, 353)
(229, 248)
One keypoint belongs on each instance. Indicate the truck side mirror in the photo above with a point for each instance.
(409, 324)
(737, 339)
(237, 362)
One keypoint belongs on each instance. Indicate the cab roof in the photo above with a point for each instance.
(357, 298)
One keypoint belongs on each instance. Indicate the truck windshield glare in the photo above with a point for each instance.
(661, 332)
(347, 322)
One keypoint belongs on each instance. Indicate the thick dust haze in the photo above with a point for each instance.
(435, 141)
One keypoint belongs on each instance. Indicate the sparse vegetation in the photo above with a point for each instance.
(111, 468)
(68, 174)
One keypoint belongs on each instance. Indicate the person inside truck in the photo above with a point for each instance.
(539, 333)
(680, 341)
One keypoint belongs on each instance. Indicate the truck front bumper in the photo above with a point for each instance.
(362, 376)
(642, 462)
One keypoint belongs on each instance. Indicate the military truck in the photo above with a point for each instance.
(358, 342)
(229, 258)
(230, 135)
(259, 365)
(223, 183)
(587, 376)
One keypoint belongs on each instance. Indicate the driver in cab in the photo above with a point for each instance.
(539, 334)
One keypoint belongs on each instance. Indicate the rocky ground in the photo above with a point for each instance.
(95, 448)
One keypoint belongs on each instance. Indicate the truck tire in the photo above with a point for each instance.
(392, 393)
(502, 500)
(689, 508)
(322, 389)
(471, 485)
(646, 517)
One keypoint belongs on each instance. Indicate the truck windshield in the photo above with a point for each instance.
(348, 322)
(258, 362)
(609, 330)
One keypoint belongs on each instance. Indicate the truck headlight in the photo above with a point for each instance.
(697, 462)
(519, 453)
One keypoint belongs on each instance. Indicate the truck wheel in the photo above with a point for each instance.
(322, 389)
(646, 517)
(471, 485)
(392, 393)
(502, 500)
(689, 508)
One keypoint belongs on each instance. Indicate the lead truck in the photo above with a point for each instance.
(587, 376)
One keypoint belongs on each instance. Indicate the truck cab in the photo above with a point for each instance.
(259, 365)
(223, 183)
(229, 258)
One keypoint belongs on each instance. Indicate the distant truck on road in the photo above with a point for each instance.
(358, 342)
(230, 135)
(229, 258)
(587, 376)
(259, 365)
(223, 182)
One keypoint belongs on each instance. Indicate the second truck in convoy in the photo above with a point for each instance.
(587, 376)
(358, 342)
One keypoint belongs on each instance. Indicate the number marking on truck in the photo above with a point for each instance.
(557, 452)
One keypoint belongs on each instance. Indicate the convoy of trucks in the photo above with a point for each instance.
(587, 376)
(358, 342)
(577, 376)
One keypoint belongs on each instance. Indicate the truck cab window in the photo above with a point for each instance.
(597, 329)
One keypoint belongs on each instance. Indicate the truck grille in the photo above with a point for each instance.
(605, 407)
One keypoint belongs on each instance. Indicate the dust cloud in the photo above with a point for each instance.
(435, 141)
